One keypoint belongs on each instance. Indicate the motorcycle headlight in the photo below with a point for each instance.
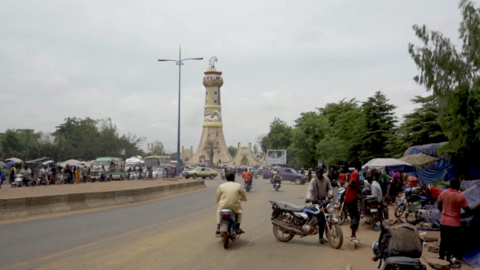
(330, 208)
(375, 247)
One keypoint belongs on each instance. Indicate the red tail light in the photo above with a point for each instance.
(225, 216)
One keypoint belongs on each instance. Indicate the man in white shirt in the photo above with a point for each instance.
(375, 188)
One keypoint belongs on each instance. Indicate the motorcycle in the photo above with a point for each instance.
(289, 220)
(341, 212)
(416, 203)
(22, 181)
(42, 179)
(276, 185)
(222, 175)
(372, 209)
(403, 202)
(228, 227)
(248, 185)
(407, 260)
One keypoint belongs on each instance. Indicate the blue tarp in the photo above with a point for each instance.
(438, 171)
(471, 236)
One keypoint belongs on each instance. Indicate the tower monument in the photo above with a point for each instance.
(212, 147)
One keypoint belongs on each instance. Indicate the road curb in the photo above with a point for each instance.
(11, 208)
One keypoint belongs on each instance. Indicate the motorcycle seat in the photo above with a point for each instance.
(290, 206)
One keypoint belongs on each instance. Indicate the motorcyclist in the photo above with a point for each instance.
(247, 177)
(228, 196)
(277, 177)
(318, 190)
(42, 174)
(27, 174)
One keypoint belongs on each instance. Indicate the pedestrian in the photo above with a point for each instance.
(78, 175)
(451, 201)
(13, 172)
(102, 174)
(351, 200)
(384, 181)
(342, 178)
(318, 190)
(2, 177)
(85, 172)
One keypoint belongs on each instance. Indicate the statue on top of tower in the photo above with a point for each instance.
(212, 61)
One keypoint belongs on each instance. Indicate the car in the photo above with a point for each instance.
(288, 174)
(203, 172)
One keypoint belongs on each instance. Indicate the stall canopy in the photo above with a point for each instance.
(388, 164)
(16, 160)
(70, 163)
(419, 160)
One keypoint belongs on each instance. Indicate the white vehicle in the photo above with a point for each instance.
(136, 163)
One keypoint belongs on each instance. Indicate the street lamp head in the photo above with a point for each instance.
(199, 58)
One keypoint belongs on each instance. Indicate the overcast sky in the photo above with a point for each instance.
(279, 58)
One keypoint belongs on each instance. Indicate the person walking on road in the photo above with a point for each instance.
(228, 196)
(319, 190)
(351, 200)
(451, 201)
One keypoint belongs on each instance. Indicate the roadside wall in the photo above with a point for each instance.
(22, 207)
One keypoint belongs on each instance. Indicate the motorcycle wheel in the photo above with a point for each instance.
(399, 211)
(225, 239)
(341, 218)
(276, 188)
(280, 234)
(335, 236)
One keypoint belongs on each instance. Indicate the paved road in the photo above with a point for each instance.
(172, 233)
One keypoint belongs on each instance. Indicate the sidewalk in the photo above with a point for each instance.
(7, 192)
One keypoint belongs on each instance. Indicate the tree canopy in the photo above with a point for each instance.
(453, 76)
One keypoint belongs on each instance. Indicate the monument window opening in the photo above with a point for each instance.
(215, 92)
(215, 101)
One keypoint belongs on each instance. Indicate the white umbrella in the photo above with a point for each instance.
(390, 164)
(16, 160)
(70, 163)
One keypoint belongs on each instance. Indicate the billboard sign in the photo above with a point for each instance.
(276, 157)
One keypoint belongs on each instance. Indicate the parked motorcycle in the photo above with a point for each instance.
(341, 212)
(42, 179)
(228, 227)
(22, 181)
(416, 203)
(395, 255)
(289, 220)
(403, 202)
(372, 212)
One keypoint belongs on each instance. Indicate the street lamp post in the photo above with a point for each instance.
(179, 63)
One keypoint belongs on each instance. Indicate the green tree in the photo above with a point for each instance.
(422, 125)
(11, 144)
(262, 140)
(454, 78)
(280, 135)
(158, 149)
(310, 129)
(379, 127)
(232, 150)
